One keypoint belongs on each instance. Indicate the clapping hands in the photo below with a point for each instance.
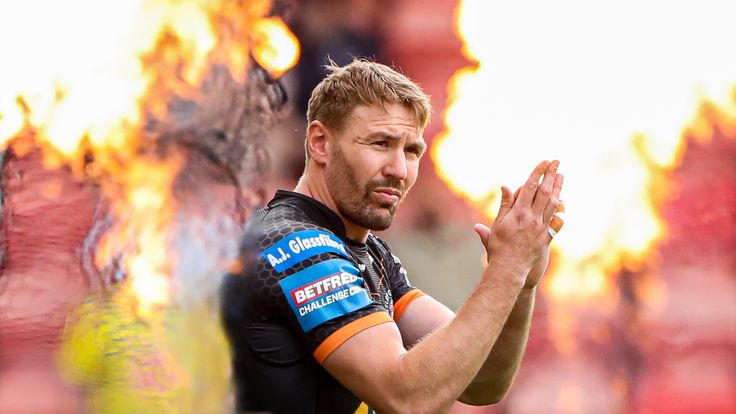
(520, 236)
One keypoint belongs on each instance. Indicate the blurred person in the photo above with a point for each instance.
(321, 316)
(172, 359)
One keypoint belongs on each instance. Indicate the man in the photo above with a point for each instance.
(321, 316)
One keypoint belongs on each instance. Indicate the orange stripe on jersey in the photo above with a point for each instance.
(404, 301)
(348, 331)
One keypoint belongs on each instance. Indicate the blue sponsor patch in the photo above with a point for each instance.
(296, 247)
(325, 291)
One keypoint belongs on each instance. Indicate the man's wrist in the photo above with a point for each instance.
(509, 268)
(529, 289)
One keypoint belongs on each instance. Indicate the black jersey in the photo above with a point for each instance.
(303, 289)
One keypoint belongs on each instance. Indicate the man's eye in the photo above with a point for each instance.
(381, 144)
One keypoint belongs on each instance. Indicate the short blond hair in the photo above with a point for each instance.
(363, 82)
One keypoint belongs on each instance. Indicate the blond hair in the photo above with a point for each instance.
(362, 82)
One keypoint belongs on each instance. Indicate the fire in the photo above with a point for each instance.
(84, 76)
(276, 48)
(77, 66)
(140, 235)
(608, 91)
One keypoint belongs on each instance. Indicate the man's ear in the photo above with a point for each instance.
(318, 142)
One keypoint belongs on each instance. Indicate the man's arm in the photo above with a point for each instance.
(494, 378)
(430, 376)
(497, 374)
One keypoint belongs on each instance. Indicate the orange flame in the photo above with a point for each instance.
(566, 82)
(79, 75)
(82, 76)
(275, 48)
(141, 232)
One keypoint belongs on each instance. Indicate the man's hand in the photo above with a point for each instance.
(521, 221)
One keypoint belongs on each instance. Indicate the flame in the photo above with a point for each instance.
(83, 76)
(144, 213)
(275, 48)
(608, 91)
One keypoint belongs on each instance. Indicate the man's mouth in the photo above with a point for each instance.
(388, 195)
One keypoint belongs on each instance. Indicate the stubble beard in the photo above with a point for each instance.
(354, 205)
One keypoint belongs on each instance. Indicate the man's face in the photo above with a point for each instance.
(374, 162)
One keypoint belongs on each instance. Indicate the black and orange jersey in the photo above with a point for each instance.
(302, 290)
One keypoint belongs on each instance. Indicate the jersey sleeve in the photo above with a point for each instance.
(401, 289)
(304, 277)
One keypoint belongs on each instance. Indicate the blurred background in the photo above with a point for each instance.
(140, 139)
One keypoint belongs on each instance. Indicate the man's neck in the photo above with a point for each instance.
(318, 191)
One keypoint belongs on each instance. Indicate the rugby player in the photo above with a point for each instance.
(321, 316)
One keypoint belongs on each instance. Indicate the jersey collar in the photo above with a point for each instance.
(317, 211)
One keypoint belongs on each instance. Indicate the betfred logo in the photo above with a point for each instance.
(324, 291)
(321, 287)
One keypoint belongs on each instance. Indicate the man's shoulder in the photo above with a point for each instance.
(381, 246)
(273, 223)
(282, 215)
(286, 239)
(377, 241)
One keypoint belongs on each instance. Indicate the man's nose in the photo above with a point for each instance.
(396, 166)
